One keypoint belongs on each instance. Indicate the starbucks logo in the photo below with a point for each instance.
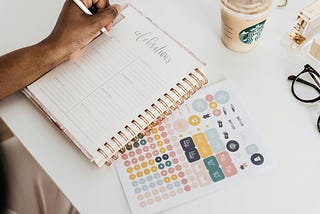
(252, 33)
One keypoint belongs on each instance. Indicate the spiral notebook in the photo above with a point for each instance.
(118, 86)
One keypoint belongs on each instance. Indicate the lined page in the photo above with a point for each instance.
(113, 80)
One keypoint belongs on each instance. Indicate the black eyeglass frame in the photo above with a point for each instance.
(314, 75)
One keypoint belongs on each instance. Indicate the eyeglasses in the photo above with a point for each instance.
(305, 87)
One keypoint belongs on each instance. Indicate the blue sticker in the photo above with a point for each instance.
(199, 105)
(222, 97)
(152, 185)
(251, 149)
(142, 181)
(135, 183)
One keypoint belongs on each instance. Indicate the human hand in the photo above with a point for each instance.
(75, 29)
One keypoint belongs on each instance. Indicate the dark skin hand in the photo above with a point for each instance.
(73, 31)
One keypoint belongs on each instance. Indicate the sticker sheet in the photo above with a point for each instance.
(206, 143)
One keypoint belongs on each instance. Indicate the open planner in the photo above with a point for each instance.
(117, 87)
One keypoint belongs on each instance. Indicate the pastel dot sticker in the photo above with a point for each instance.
(134, 160)
(164, 134)
(157, 137)
(124, 157)
(145, 148)
(180, 125)
(151, 162)
(194, 120)
(150, 139)
(216, 112)
(135, 183)
(132, 176)
(199, 105)
(222, 97)
(155, 192)
(166, 141)
(139, 174)
(169, 147)
(153, 146)
(144, 164)
(150, 201)
(152, 185)
(160, 143)
(163, 150)
(154, 130)
(175, 160)
(140, 197)
(209, 97)
(165, 196)
(164, 173)
(129, 170)
(157, 199)
(173, 193)
(143, 204)
(162, 189)
(131, 154)
(147, 194)
(187, 188)
(176, 183)
(136, 167)
(126, 163)
(142, 181)
(156, 175)
(171, 170)
(148, 155)
(154, 169)
(170, 132)
(161, 128)
(213, 105)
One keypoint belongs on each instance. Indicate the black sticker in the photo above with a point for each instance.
(187, 144)
(233, 146)
(192, 155)
(257, 159)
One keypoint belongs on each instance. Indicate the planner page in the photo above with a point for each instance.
(200, 148)
(112, 81)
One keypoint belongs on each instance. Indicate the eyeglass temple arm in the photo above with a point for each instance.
(293, 77)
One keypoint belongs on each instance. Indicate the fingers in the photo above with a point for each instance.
(105, 17)
(100, 4)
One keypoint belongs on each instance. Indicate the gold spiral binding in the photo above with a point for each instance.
(143, 119)
(156, 119)
(193, 88)
(167, 111)
(186, 92)
(204, 77)
(150, 114)
(174, 104)
(137, 124)
(181, 100)
(108, 161)
(130, 130)
(157, 109)
(116, 141)
(199, 83)
(126, 139)
(115, 156)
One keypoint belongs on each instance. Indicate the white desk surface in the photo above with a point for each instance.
(285, 125)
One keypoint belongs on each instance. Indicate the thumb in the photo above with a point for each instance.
(107, 15)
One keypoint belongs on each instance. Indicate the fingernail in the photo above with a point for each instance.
(109, 26)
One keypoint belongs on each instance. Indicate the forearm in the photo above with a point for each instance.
(21, 67)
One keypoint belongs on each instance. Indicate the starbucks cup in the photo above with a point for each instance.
(242, 22)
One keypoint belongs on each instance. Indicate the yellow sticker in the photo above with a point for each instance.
(194, 120)
(202, 144)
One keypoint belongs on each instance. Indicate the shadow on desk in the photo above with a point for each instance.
(5, 132)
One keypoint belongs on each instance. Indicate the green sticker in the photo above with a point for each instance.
(216, 175)
(251, 34)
